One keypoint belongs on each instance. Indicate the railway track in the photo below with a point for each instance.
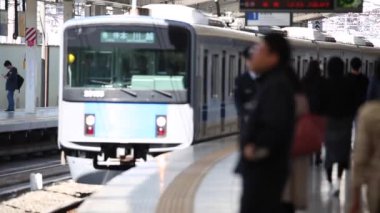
(60, 193)
(15, 176)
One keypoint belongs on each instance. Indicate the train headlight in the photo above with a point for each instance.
(90, 120)
(89, 124)
(161, 123)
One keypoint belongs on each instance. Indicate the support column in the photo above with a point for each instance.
(68, 10)
(32, 60)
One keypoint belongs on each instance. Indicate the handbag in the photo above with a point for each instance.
(309, 134)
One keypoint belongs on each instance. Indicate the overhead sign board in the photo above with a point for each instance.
(267, 19)
(301, 5)
(349, 6)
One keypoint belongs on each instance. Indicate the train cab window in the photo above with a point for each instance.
(205, 76)
(214, 75)
(137, 58)
(231, 72)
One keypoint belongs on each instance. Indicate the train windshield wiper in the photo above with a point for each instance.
(167, 94)
(100, 82)
(129, 92)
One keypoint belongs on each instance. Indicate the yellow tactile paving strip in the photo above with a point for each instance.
(180, 194)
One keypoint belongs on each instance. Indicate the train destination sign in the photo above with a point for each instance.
(301, 5)
(127, 37)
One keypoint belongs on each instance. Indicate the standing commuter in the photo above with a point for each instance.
(11, 85)
(245, 85)
(359, 83)
(268, 136)
(373, 92)
(366, 158)
(245, 89)
(313, 86)
(339, 105)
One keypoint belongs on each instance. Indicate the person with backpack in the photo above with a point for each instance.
(11, 84)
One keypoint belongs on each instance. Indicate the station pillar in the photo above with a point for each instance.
(68, 10)
(32, 59)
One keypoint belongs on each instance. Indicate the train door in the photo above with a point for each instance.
(215, 102)
(211, 98)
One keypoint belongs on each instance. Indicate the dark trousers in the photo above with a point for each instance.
(11, 101)
(262, 192)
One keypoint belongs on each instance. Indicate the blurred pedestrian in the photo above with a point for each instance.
(268, 138)
(373, 92)
(359, 82)
(11, 84)
(245, 89)
(296, 185)
(313, 85)
(339, 105)
(366, 158)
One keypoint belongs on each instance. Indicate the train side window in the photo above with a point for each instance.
(205, 77)
(214, 75)
(231, 72)
(239, 64)
(324, 71)
(371, 69)
(223, 93)
(293, 63)
(305, 65)
(298, 65)
(366, 67)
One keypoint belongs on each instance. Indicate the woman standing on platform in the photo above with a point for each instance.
(339, 103)
(313, 84)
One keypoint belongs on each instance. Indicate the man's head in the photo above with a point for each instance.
(274, 51)
(247, 54)
(356, 64)
(7, 64)
(335, 67)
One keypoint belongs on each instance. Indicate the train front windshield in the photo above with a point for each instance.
(133, 58)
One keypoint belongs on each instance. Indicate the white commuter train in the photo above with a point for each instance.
(133, 85)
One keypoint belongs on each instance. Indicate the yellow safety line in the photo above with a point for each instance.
(180, 194)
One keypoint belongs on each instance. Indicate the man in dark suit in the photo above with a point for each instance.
(11, 85)
(267, 135)
(245, 89)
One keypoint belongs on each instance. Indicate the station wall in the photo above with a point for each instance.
(16, 53)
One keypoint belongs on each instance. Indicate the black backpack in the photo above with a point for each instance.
(20, 82)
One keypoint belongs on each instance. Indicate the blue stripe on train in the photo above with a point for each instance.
(126, 121)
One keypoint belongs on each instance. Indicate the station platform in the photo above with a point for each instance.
(197, 179)
(20, 120)
(25, 133)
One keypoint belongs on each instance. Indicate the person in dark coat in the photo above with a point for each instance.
(339, 105)
(373, 92)
(244, 85)
(268, 136)
(313, 87)
(245, 89)
(11, 84)
(359, 82)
